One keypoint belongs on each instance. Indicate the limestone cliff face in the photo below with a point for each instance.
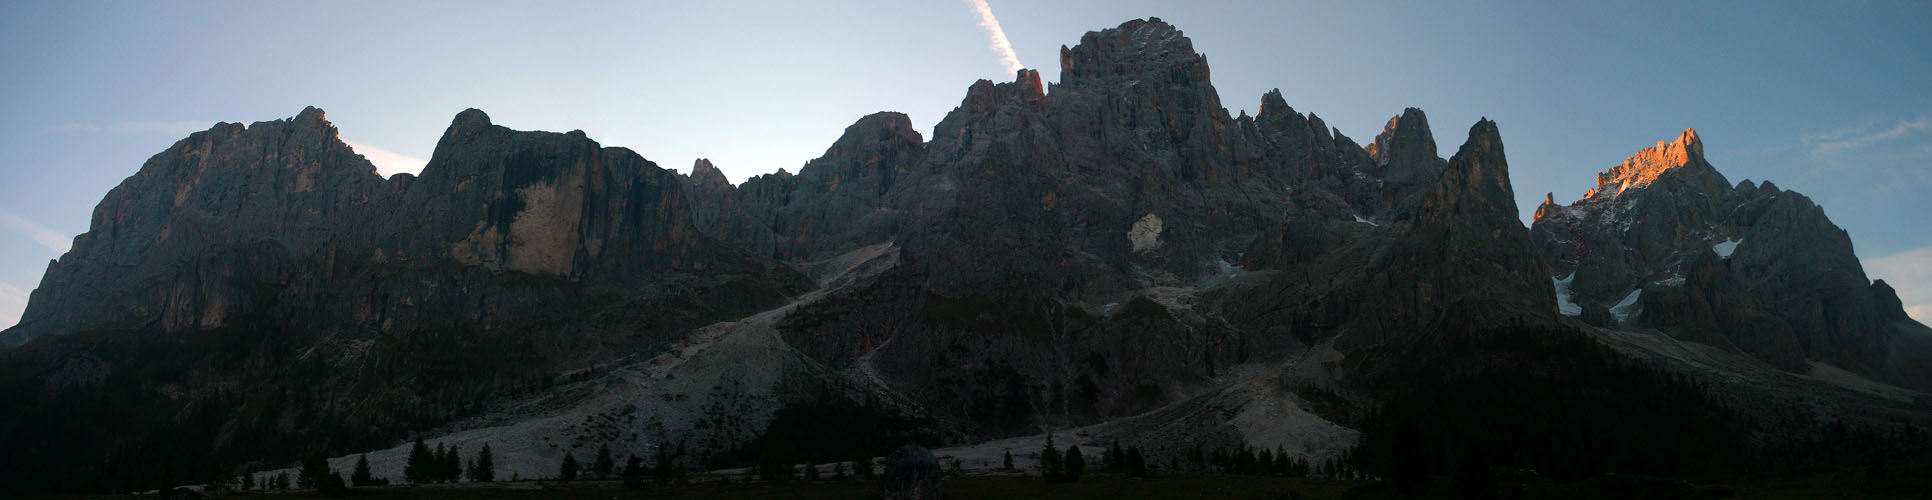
(235, 219)
(194, 236)
(1405, 152)
(1665, 241)
(552, 205)
(1466, 254)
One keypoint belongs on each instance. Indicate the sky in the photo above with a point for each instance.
(1827, 98)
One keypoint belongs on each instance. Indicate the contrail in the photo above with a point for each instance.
(996, 35)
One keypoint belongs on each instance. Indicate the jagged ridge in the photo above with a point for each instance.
(1111, 245)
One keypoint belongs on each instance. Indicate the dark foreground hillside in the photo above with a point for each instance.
(1902, 480)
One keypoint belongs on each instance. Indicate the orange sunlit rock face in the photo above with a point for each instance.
(1646, 165)
(1549, 206)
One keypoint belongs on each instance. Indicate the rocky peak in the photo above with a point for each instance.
(703, 173)
(1481, 165)
(1145, 49)
(1546, 209)
(984, 98)
(881, 128)
(1683, 156)
(311, 115)
(1467, 249)
(233, 200)
(1273, 105)
(1029, 82)
(1745, 187)
(1320, 127)
(1889, 307)
(1747, 266)
(1405, 152)
(1406, 136)
(468, 121)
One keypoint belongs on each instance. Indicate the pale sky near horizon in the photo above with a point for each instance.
(1829, 99)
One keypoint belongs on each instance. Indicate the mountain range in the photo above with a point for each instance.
(1109, 257)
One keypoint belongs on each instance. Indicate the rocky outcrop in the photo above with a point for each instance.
(1405, 151)
(1466, 254)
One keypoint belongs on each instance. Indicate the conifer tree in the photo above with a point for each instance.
(416, 471)
(665, 469)
(838, 470)
(1136, 463)
(811, 471)
(281, 481)
(1076, 464)
(771, 467)
(247, 481)
(167, 481)
(453, 464)
(1006, 460)
(1050, 460)
(483, 470)
(634, 473)
(436, 467)
(361, 476)
(602, 467)
(313, 468)
(568, 469)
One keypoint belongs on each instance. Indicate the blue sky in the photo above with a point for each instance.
(1828, 98)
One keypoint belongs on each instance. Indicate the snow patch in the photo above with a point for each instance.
(1628, 306)
(1224, 271)
(1726, 247)
(1564, 303)
(1359, 218)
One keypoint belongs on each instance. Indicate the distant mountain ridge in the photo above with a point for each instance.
(1112, 252)
(1751, 267)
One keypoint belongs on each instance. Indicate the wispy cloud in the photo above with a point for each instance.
(1887, 157)
(1909, 272)
(996, 35)
(13, 301)
(184, 127)
(53, 240)
(1865, 136)
(388, 162)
